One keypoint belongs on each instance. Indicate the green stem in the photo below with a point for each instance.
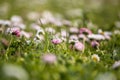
(7, 51)
(84, 45)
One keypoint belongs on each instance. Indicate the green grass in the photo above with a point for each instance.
(70, 64)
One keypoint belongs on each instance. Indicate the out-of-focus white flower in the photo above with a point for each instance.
(50, 30)
(36, 41)
(58, 23)
(100, 31)
(64, 33)
(15, 71)
(56, 41)
(95, 57)
(19, 25)
(107, 37)
(35, 26)
(79, 46)
(74, 30)
(22, 26)
(117, 24)
(48, 16)
(8, 30)
(33, 16)
(7, 23)
(66, 23)
(71, 41)
(16, 19)
(107, 33)
(117, 32)
(39, 37)
(73, 37)
(43, 21)
(116, 64)
(40, 32)
(28, 41)
(83, 37)
(104, 32)
(57, 35)
(64, 39)
(96, 37)
(49, 58)
(25, 34)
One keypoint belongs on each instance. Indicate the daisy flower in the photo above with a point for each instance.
(94, 44)
(49, 58)
(85, 31)
(56, 41)
(79, 46)
(95, 57)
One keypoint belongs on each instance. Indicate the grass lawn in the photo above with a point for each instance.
(60, 40)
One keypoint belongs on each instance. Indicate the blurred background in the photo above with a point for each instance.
(104, 13)
(100, 14)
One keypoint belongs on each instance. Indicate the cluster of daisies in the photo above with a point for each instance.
(14, 26)
(60, 30)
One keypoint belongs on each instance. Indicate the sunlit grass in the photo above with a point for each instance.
(39, 55)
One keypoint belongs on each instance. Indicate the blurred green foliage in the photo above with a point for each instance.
(71, 65)
(101, 12)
